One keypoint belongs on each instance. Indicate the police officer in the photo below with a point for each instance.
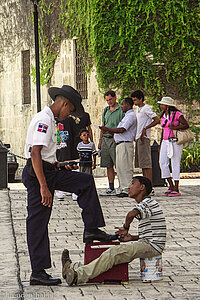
(42, 175)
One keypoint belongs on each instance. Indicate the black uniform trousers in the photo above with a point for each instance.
(38, 217)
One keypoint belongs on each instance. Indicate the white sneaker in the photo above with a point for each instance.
(60, 195)
(118, 190)
(108, 192)
(74, 197)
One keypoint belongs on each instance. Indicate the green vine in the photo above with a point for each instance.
(148, 44)
(49, 41)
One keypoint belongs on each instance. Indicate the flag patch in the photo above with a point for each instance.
(42, 128)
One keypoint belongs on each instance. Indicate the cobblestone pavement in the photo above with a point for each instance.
(181, 259)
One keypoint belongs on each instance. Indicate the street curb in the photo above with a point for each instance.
(190, 175)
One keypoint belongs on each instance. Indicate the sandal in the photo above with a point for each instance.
(174, 194)
(167, 192)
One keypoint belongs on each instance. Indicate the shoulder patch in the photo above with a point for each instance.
(42, 127)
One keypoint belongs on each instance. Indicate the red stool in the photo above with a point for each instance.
(117, 274)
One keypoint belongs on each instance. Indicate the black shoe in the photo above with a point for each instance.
(99, 235)
(122, 195)
(42, 278)
(66, 262)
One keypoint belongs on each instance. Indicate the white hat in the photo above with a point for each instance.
(167, 101)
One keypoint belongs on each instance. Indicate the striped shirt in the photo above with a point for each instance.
(152, 226)
(86, 151)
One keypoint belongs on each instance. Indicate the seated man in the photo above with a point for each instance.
(149, 243)
(42, 175)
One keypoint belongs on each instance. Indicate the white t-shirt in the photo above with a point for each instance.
(144, 117)
(42, 132)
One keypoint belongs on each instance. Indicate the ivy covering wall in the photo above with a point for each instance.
(153, 45)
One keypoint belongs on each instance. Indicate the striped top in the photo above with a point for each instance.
(86, 151)
(152, 226)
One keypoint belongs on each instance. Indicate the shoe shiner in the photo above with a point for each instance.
(149, 242)
(42, 175)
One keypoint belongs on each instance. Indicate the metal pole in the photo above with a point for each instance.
(37, 59)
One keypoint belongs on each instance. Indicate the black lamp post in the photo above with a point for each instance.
(37, 59)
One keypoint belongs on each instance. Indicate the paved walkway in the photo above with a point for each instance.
(181, 258)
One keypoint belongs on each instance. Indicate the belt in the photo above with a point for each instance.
(46, 165)
(123, 142)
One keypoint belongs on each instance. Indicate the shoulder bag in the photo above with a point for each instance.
(182, 136)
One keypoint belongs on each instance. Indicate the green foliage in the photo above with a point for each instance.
(147, 44)
(49, 42)
(47, 61)
(190, 161)
(196, 131)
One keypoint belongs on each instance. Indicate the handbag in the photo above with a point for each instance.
(184, 136)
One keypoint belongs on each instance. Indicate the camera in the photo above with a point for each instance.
(173, 139)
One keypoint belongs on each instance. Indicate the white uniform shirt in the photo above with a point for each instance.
(42, 132)
(129, 123)
(144, 117)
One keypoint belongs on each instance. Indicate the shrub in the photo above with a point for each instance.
(190, 161)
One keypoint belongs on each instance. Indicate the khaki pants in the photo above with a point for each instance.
(143, 154)
(108, 152)
(115, 255)
(124, 165)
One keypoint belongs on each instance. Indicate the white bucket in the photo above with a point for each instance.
(151, 268)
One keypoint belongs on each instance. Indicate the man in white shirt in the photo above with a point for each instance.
(124, 135)
(146, 119)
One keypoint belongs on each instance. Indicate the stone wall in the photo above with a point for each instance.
(64, 70)
(17, 35)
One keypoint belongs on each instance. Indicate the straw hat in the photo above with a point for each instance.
(167, 101)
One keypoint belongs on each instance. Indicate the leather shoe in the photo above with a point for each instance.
(65, 257)
(71, 277)
(66, 262)
(42, 278)
(99, 235)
